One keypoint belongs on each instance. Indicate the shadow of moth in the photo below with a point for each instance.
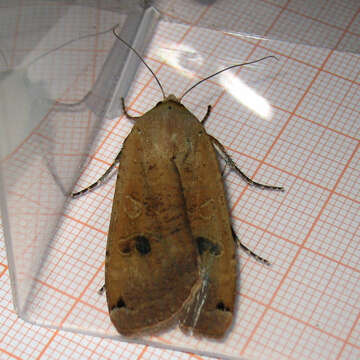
(171, 249)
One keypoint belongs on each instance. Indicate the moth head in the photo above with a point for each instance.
(170, 97)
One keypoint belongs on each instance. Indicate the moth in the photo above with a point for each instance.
(171, 249)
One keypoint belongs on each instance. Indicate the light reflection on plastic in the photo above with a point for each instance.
(246, 95)
(180, 56)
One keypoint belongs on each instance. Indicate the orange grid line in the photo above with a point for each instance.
(56, 289)
(3, 271)
(287, 315)
(321, 210)
(84, 223)
(296, 244)
(142, 352)
(296, 256)
(347, 29)
(68, 314)
(300, 61)
(346, 342)
(196, 356)
(10, 354)
(312, 18)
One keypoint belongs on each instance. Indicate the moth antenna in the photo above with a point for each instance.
(227, 68)
(68, 43)
(143, 61)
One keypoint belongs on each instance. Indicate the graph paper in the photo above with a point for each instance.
(304, 136)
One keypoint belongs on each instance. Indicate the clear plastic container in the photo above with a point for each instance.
(68, 88)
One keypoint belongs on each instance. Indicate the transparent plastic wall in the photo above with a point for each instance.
(67, 75)
(62, 76)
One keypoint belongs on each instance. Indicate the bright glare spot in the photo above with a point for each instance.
(181, 57)
(247, 36)
(246, 95)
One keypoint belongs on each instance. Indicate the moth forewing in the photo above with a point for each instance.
(210, 225)
(152, 265)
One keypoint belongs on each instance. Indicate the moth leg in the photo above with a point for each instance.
(126, 113)
(101, 290)
(247, 250)
(206, 115)
(234, 167)
(101, 179)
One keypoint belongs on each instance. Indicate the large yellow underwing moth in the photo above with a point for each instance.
(171, 249)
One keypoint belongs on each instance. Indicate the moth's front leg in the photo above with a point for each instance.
(126, 113)
(232, 164)
(100, 180)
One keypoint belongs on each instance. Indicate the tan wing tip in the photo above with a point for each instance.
(126, 328)
(211, 324)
